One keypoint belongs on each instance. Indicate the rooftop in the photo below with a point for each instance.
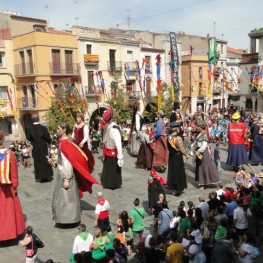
(249, 58)
(55, 31)
(256, 32)
(28, 18)
(236, 51)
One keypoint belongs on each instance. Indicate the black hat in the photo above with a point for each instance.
(174, 124)
(176, 105)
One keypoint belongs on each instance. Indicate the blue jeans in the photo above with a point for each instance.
(218, 165)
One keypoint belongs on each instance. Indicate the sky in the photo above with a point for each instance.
(233, 19)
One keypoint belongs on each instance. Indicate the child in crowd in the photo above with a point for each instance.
(239, 176)
(219, 191)
(125, 138)
(190, 206)
(174, 224)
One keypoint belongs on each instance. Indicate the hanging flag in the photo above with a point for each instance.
(212, 50)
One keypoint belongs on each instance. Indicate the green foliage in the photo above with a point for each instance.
(64, 108)
(124, 111)
(167, 103)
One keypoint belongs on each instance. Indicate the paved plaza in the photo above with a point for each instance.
(36, 203)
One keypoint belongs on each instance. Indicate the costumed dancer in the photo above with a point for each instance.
(199, 115)
(145, 155)
(256, 143)
(11, 216)
(177, 180)
(111, 173)
(160, 155)
(176, 113)
(205, 171)
(237, 153)
(137, 122)
(72, 179)
(80, 137)
(39, 137)
(154, 190)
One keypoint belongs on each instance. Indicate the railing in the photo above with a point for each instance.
(91, 59)
(27, 103)
(24, 69)
(134, 95)
(92, 91)
(217, 91)
(64, 68)
(115, 66)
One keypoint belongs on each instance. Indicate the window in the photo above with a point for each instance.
(56, 67)
(130, 85)
(23, 62)
(69, 61)
(148, 64)
(30, 61)
(112, 58)
(129, 56)
(39, 29)
(2, 59)
(222, 49)
(200, 89)
(90, 82)
(222, 65)
(200, 72)
(3, 94)
(88, 49)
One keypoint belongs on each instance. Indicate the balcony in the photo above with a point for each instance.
(134, 95)
(24, 70)
(91, 91)
(217, 91)
(115, 66)
(91, 59)
(201, 97)
(64, 69)
(27, 103)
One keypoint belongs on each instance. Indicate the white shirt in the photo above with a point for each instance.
(82, 245)
(102, 208)
(250, 252)
(116, 136)
(219, 192)
(239, 214)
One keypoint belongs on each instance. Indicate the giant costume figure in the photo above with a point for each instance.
(39, 136)
(160, 155)
(237, 153)
(72, 179)
(256, 146)
(111, 173)
(80, 137)
(12, 221)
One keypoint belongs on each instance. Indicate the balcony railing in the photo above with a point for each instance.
(115, 66)
(217, 91)
(24, 69)
(64, 68)
(134, 95)
(91, 59)
(92, 91)
(27, 103)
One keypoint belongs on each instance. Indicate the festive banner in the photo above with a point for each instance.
(212, 50)
(174, 64)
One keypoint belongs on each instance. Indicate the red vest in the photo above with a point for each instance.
(103, 214)
(236, 132)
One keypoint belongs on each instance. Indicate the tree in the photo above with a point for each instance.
(119, 101)
(167, 103)
(64, 107)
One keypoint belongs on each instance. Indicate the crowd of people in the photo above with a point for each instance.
(185, 235)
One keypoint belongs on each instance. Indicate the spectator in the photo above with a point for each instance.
(225, 250)
(184, 224)
(198, 217)
(220, 215)
(229, 210)
(194, 248)
(157, 208)
(82, 241)
(220, 192)
(164, 219)
(213, 203)
(239, 221)
(217, 158)
(204, 207)
(111, 236)
(29, 242)
(175, 251)
(137, 219)
(152, 254)
(102, 213)
(120, 249)
(114, 257)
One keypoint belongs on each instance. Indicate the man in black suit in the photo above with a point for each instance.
(39, 136)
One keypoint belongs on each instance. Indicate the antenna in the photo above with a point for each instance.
(128, 19)
(77, 18)
(47, 14)
(214, 29)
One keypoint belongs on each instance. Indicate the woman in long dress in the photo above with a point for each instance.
(137, 122)
(205, 171)
(145, 155)
(12, 221)
(176, 168)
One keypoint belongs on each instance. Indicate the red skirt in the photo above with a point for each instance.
(11, 216)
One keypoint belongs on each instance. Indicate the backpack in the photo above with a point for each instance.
(201, 258)
(256, 253)
(259, 210)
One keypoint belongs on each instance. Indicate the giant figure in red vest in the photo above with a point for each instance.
(80, 137)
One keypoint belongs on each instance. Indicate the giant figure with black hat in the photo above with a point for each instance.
(111, 173)
(237, 153)
(39, 136)
(177, 180)
(176, 114)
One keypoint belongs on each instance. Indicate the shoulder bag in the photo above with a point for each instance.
(30, 252)
(139, 213)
